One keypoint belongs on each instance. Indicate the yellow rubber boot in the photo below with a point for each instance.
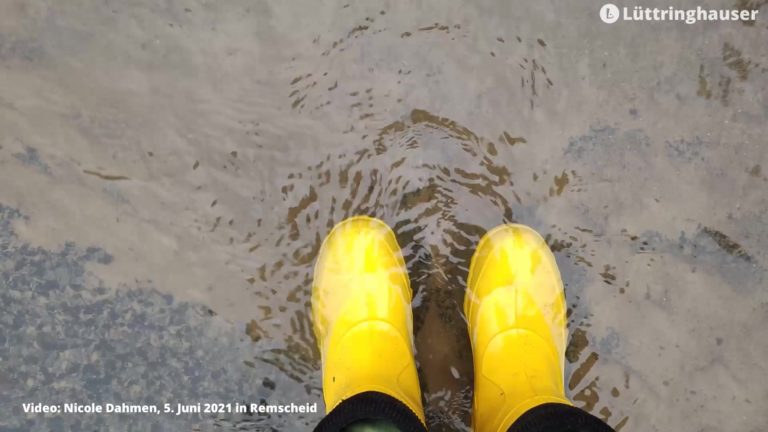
(515, 309)
(361, 307)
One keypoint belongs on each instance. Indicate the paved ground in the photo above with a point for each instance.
(168, 170)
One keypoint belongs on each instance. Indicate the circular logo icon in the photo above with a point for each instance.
(609, 13)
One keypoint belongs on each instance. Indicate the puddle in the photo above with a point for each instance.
(164, 192)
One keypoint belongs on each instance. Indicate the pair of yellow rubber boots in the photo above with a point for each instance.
(514, 305)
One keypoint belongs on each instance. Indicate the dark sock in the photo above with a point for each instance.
(371, 406)
(555, 417)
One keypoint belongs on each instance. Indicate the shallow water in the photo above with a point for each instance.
(168, 172)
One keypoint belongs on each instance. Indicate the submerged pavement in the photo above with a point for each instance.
(168, 171)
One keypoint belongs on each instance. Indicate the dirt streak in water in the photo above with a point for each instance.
(727, 244)
(105, 176)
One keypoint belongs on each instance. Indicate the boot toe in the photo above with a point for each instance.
(511, 255)
(359, 251)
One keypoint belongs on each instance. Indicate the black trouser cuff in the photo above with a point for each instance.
(371, 405)
(555, 417)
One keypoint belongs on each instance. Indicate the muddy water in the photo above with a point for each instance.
(440, 186)
(168, 172)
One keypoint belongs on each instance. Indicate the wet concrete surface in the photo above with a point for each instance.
(168, 171)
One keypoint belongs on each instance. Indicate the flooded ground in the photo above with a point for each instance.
(169, 169)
